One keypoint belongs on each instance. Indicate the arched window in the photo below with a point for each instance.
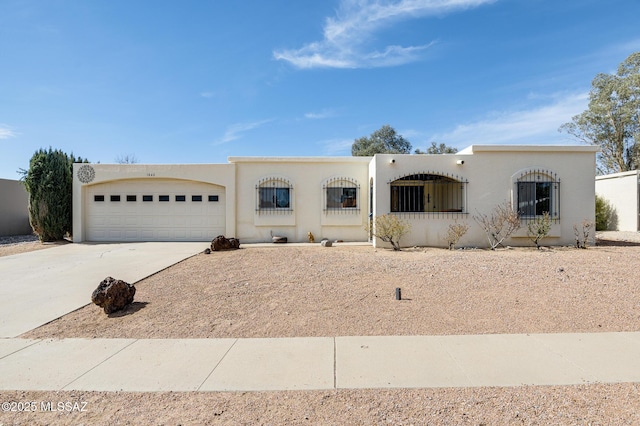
(428, 193)
(274, 194)
(538, 192)
(341, 195)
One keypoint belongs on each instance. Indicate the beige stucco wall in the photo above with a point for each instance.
(621, 190)
(218, 174)
(14, 208)
(307, 176)
(425, 227)
(491, 172)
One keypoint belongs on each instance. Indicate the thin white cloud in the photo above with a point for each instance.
(207, 94)
(347, 35)
(337, 146)
(627, 47)
(6, 132)
(538, 125)
(411, 134)
(237, 130)
(325, 113)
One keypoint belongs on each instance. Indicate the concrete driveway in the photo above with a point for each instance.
(40, 286)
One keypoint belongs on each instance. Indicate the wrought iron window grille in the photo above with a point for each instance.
(274, 196)
(341, 196)
(537, 192)
(429, 195)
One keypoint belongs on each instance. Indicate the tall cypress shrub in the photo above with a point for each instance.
(605, 215)
(49, 182)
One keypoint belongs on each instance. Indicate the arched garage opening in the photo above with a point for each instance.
(154, 210)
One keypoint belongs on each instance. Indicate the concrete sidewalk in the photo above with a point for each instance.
(318, 362)
(40, 286)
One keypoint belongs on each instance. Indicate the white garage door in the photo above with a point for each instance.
(154, 210)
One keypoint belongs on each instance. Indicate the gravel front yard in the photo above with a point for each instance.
(286, 291)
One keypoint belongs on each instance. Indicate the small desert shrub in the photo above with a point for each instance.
(389, 228)
(454, 233)
(539, 228)
(502, 222)
(582, 233)
(604, 214)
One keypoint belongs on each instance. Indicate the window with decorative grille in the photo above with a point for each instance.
(428, 193)
(538, 192)
(341, 195)
(274, 194)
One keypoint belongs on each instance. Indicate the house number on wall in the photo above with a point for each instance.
(151, 174)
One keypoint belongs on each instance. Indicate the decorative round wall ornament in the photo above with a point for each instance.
(86, 173)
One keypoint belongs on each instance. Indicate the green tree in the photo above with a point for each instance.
(383, 141)
(605, 214)
(438, 149)
(49, 182)
(612, 120)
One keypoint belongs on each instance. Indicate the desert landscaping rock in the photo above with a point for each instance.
(221, 243)
(113, 295)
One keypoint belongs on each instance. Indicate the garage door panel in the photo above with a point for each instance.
(147, 221)
(163, 234)
(129, 221)
(131, 235)
(162, 221)
(195, 209)
(155, 220)
(196, 235)
(196, 221)
(100, 234)
(146, 234)
(100, 220)
(179, 234)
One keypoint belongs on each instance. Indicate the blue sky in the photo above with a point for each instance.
(198, 81)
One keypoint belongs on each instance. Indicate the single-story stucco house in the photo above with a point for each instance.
(253, 198)
(622, 191)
